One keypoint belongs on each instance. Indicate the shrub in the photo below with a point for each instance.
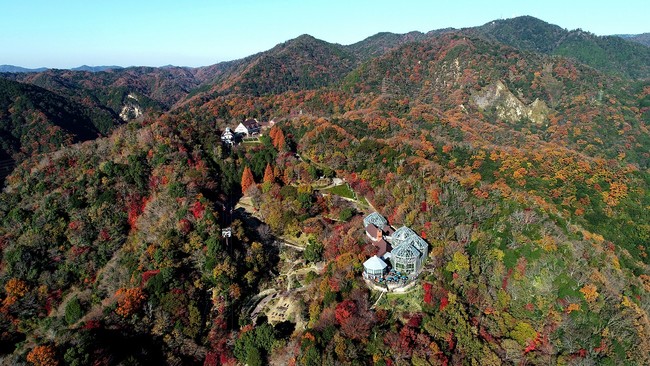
(73, 311)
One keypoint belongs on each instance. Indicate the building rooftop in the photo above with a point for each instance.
(406, 251)
(383, 247)
(402, 234)
(251, 123)
(375, 263)
(419, 243)
(388, 230)
(372, 231)
(375, 219)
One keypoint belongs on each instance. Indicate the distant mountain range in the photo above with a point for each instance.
(17, 69)
(643, 38)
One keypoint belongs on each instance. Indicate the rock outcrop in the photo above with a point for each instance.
(507, 106)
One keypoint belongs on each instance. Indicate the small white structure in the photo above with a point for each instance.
(374, 266)
(249, 127)
(227, 137)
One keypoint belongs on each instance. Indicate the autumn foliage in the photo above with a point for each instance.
(344, 311)
(42, 356)
(277, 138)
(536, 230)
(16, 287)
(268, 174)
(129, 301)
(247, 179)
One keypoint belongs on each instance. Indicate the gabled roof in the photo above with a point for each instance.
(375, 219)
(382, 247)
(387, 230)
(251, 124)
(375, 263)
(372, 230)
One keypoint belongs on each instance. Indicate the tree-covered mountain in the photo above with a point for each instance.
(381, 43)
(34, 120)
(525, 171)
(609, 54)
(453, 69)
(156, 89)
(299, 64)
(526, 33)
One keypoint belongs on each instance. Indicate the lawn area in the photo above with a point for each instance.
(408, 302)
(364, 202)
(342, 190)
(250, 140)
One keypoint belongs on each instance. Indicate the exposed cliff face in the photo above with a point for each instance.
(131, 108)
(507, 106)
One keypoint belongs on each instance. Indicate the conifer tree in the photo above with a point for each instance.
(247, 180)
(277, 138)
(268, 174)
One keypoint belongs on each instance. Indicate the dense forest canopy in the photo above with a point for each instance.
(131, 234)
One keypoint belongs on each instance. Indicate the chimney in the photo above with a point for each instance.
(379, 234)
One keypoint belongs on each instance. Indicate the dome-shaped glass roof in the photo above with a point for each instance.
(401, 235)
(405, 252)
(418, 243)
(375, 219)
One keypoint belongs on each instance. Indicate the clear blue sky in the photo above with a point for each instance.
(69, 33)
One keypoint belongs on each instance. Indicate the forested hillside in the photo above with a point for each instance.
(526, 172)
(34, 120)
(610, 54)
(154, 88)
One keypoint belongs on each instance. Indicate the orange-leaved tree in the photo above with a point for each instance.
(42, 356)
(247, 180)
(129, 300)
(16, 287)
(268, 174)
(277, 138)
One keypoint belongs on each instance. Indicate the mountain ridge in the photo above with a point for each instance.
(609, 54)
(34, 120)
(538, 36)
(19, 69)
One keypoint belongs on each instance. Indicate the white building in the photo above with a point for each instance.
(227, 137)
(375, 266)
(249, 127)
